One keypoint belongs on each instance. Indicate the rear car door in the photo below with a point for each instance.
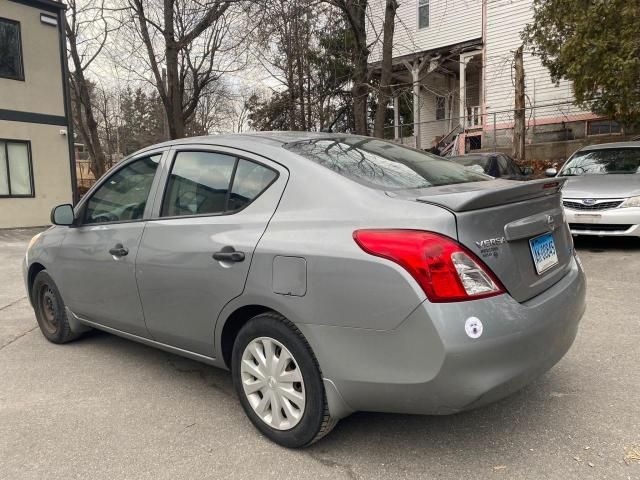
(97, 257)
(196, 251)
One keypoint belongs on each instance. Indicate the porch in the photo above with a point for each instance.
(437, 96)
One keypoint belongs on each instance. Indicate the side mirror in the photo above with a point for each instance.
(62, 215)
(551, 172)
(527, 171)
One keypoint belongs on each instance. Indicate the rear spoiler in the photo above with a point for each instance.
(462, 197)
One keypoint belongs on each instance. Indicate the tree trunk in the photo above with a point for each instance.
(355, 12)
(174, 92)
(386, 68)
(519, 113)
(359, 92)
(84, 114)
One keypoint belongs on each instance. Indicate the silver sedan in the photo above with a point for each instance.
(602, 193)
(329, 273)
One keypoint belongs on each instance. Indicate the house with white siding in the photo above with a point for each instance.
(454, 59)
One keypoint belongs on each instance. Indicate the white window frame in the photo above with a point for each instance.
(4, 144)
(422, 4)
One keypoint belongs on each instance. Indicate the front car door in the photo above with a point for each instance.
(98, 254)
(196, 251)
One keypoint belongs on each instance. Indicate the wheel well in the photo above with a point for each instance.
(233, 325)
(34, 270)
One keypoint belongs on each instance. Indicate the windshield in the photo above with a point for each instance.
(601, 162)
(383, 165)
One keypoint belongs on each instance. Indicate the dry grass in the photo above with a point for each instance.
(632, 454)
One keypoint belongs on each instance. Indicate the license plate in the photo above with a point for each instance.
(588, 218)
(543, 249)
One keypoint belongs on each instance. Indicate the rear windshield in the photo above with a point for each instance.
(470, 160)
(383, 165)
(601, 162)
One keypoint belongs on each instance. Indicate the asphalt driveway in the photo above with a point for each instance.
(104, 407)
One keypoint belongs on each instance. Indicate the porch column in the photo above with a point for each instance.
(463, 89)
(415, 68)
(396, 117)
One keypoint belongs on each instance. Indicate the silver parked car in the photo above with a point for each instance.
(602, 193)
(329, 273)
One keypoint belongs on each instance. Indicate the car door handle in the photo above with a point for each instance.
(119, 250)
(229, 254)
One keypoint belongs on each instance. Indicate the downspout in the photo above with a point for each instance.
(483, 75)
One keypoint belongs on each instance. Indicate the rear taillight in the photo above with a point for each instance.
(446, 271)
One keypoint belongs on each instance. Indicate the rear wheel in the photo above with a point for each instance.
(50, 310)
(278, 381)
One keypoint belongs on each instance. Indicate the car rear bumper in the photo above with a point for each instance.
(617, 222)
(429, 365)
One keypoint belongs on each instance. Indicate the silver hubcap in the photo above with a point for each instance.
(272, 382)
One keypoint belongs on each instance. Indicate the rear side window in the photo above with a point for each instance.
(208, 183)
(250, 180)
(476, 164)
(383, 165)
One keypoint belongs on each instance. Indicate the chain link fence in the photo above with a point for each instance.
(552, 131)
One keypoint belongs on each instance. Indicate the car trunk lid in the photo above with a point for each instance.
(497, 219)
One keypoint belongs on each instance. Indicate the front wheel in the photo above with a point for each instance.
(278, 381)
(50, 310)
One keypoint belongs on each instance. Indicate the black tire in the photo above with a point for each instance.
(315, 422)
(50, 310)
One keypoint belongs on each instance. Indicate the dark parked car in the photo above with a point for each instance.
(496, 164)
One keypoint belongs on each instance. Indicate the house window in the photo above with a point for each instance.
(10, 50)
(441, 107)
(16, 173)
(423, 13)
(603, 127)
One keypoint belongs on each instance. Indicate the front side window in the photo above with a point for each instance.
(423, 13)
(602, 162)
(208, 183)
(512, 167)
(383, 165)
(10, 50)
(15, 169)
(123, 197)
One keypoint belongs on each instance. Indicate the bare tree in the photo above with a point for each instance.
(386, 68)
(241, 110)
(188, 46)
(214, 111)
(87, 33)
(355, 11)
(301, 45)
(285, 46)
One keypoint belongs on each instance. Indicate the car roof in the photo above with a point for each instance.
(604, 146)
(475, 155)
(480, 154)
(273, 138)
